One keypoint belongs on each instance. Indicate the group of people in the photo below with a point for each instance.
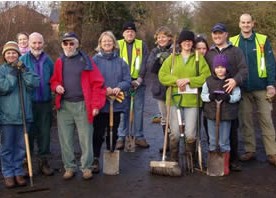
(187, 75)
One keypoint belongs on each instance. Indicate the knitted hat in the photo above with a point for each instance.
(186, 35)
(68, 36)
(11, 45)
(219, 27)
(129, 26)
(220, 60)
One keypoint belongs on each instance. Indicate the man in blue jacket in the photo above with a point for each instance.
(42, 65)
(258, 89)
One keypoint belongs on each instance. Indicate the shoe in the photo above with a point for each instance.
(96, 166)
(20, 180)
(142, 143)
(120, 145)
(9, 182)
(87, 174)
(68, 175)
(247, 156)
(272, 159)
(45, 168)
(235, 166)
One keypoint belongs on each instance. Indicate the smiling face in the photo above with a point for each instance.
(220, 71)
(220, 38)
(129, 35)
(186, 45)
(201, 47)
(246, 24)
(36, 43)
(11, 55)
(22, 40)
(107, 43)
(69, 47)
(163, 40)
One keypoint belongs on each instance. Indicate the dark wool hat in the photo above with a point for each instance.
(129, 26)
(219, 27)
(68, 36)
(186, 35)
(220, 60)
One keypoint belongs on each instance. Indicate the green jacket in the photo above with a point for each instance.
(10, 108)
(184, 70)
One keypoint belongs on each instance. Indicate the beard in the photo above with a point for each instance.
(36, 53)
(70, 53)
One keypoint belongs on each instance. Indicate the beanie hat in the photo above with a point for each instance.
(186, 35)
(129, 26)
(11, 45)
(220, 60)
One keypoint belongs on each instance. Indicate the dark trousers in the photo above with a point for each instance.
(101, 125)
(234, 157)
(41, 127)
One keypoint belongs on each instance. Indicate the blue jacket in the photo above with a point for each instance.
(43, 92)
(116, 74)
(10, 106)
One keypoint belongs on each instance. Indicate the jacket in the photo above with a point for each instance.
(92, 84)
(229, 110)
(116, 74)
(10, 105)
(183, 70)
(43, 92)
(236, 62)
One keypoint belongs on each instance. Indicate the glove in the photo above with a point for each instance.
(212, 96)
(135, 84)
(225, 97)
(19, 65)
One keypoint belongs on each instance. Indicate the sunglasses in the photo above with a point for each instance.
(68, 43)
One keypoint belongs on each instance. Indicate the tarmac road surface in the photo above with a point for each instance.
(258, 178)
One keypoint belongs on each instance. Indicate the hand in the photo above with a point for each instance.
(270, 92)
(135, 84)
(116, 91)
(19, 65)
(230, 85)
(181, 83)
(212, 96)
(95, 112)
(60, 90)
(109, 91)
(225, 97)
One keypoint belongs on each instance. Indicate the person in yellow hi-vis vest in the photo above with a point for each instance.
(259, 89)
(134, 52)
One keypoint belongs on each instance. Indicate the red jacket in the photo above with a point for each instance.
(92, 83)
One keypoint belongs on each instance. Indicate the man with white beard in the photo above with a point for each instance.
(42, 65)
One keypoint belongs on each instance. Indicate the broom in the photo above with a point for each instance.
(166, 168)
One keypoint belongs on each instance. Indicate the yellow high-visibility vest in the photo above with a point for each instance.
(260, 42)
(137, 55)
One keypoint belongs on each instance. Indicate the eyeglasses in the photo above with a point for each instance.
(68, 43)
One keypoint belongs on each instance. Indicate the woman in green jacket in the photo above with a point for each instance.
(185, 79)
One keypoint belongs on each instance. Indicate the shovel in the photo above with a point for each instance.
(215, 159)
(130, 138)
(111, 157)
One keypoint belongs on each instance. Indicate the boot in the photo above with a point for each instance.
(190, 147)
(226, 163)
(174, 151)
(168, 141)
(44, 167)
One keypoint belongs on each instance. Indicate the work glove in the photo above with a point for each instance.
(19, 65)
(136, 83)
(212, 96)
(225, 97)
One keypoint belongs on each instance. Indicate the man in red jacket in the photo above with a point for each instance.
(80, 91)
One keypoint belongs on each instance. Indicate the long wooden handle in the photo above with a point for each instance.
(218, 103)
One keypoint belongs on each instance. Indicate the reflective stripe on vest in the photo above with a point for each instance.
(259, 42)
(136, 56)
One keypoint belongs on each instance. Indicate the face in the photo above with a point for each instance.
(129, 35)
(186, 45)
(220, 71)
(11, 56)
(246, 23)
(69, 47)
(22, 41)
(201, 48)
(163, 40)
(107, 44)
(219, 38)
(36, 45)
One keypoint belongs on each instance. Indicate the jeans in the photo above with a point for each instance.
(224, 135)
(138, 108)
(71, 114)
(41, 128)
(251, 100)
(12, 149)
(190, 117)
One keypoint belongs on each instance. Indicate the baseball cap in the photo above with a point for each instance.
(219, 27)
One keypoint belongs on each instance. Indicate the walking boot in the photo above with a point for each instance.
(168, 141)
(45, 168)
(226, 163)
(9, 182)
(272, 159)
(248, 156)
(20, 180)
(96, 166)
(174, 151)
(190, 147)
